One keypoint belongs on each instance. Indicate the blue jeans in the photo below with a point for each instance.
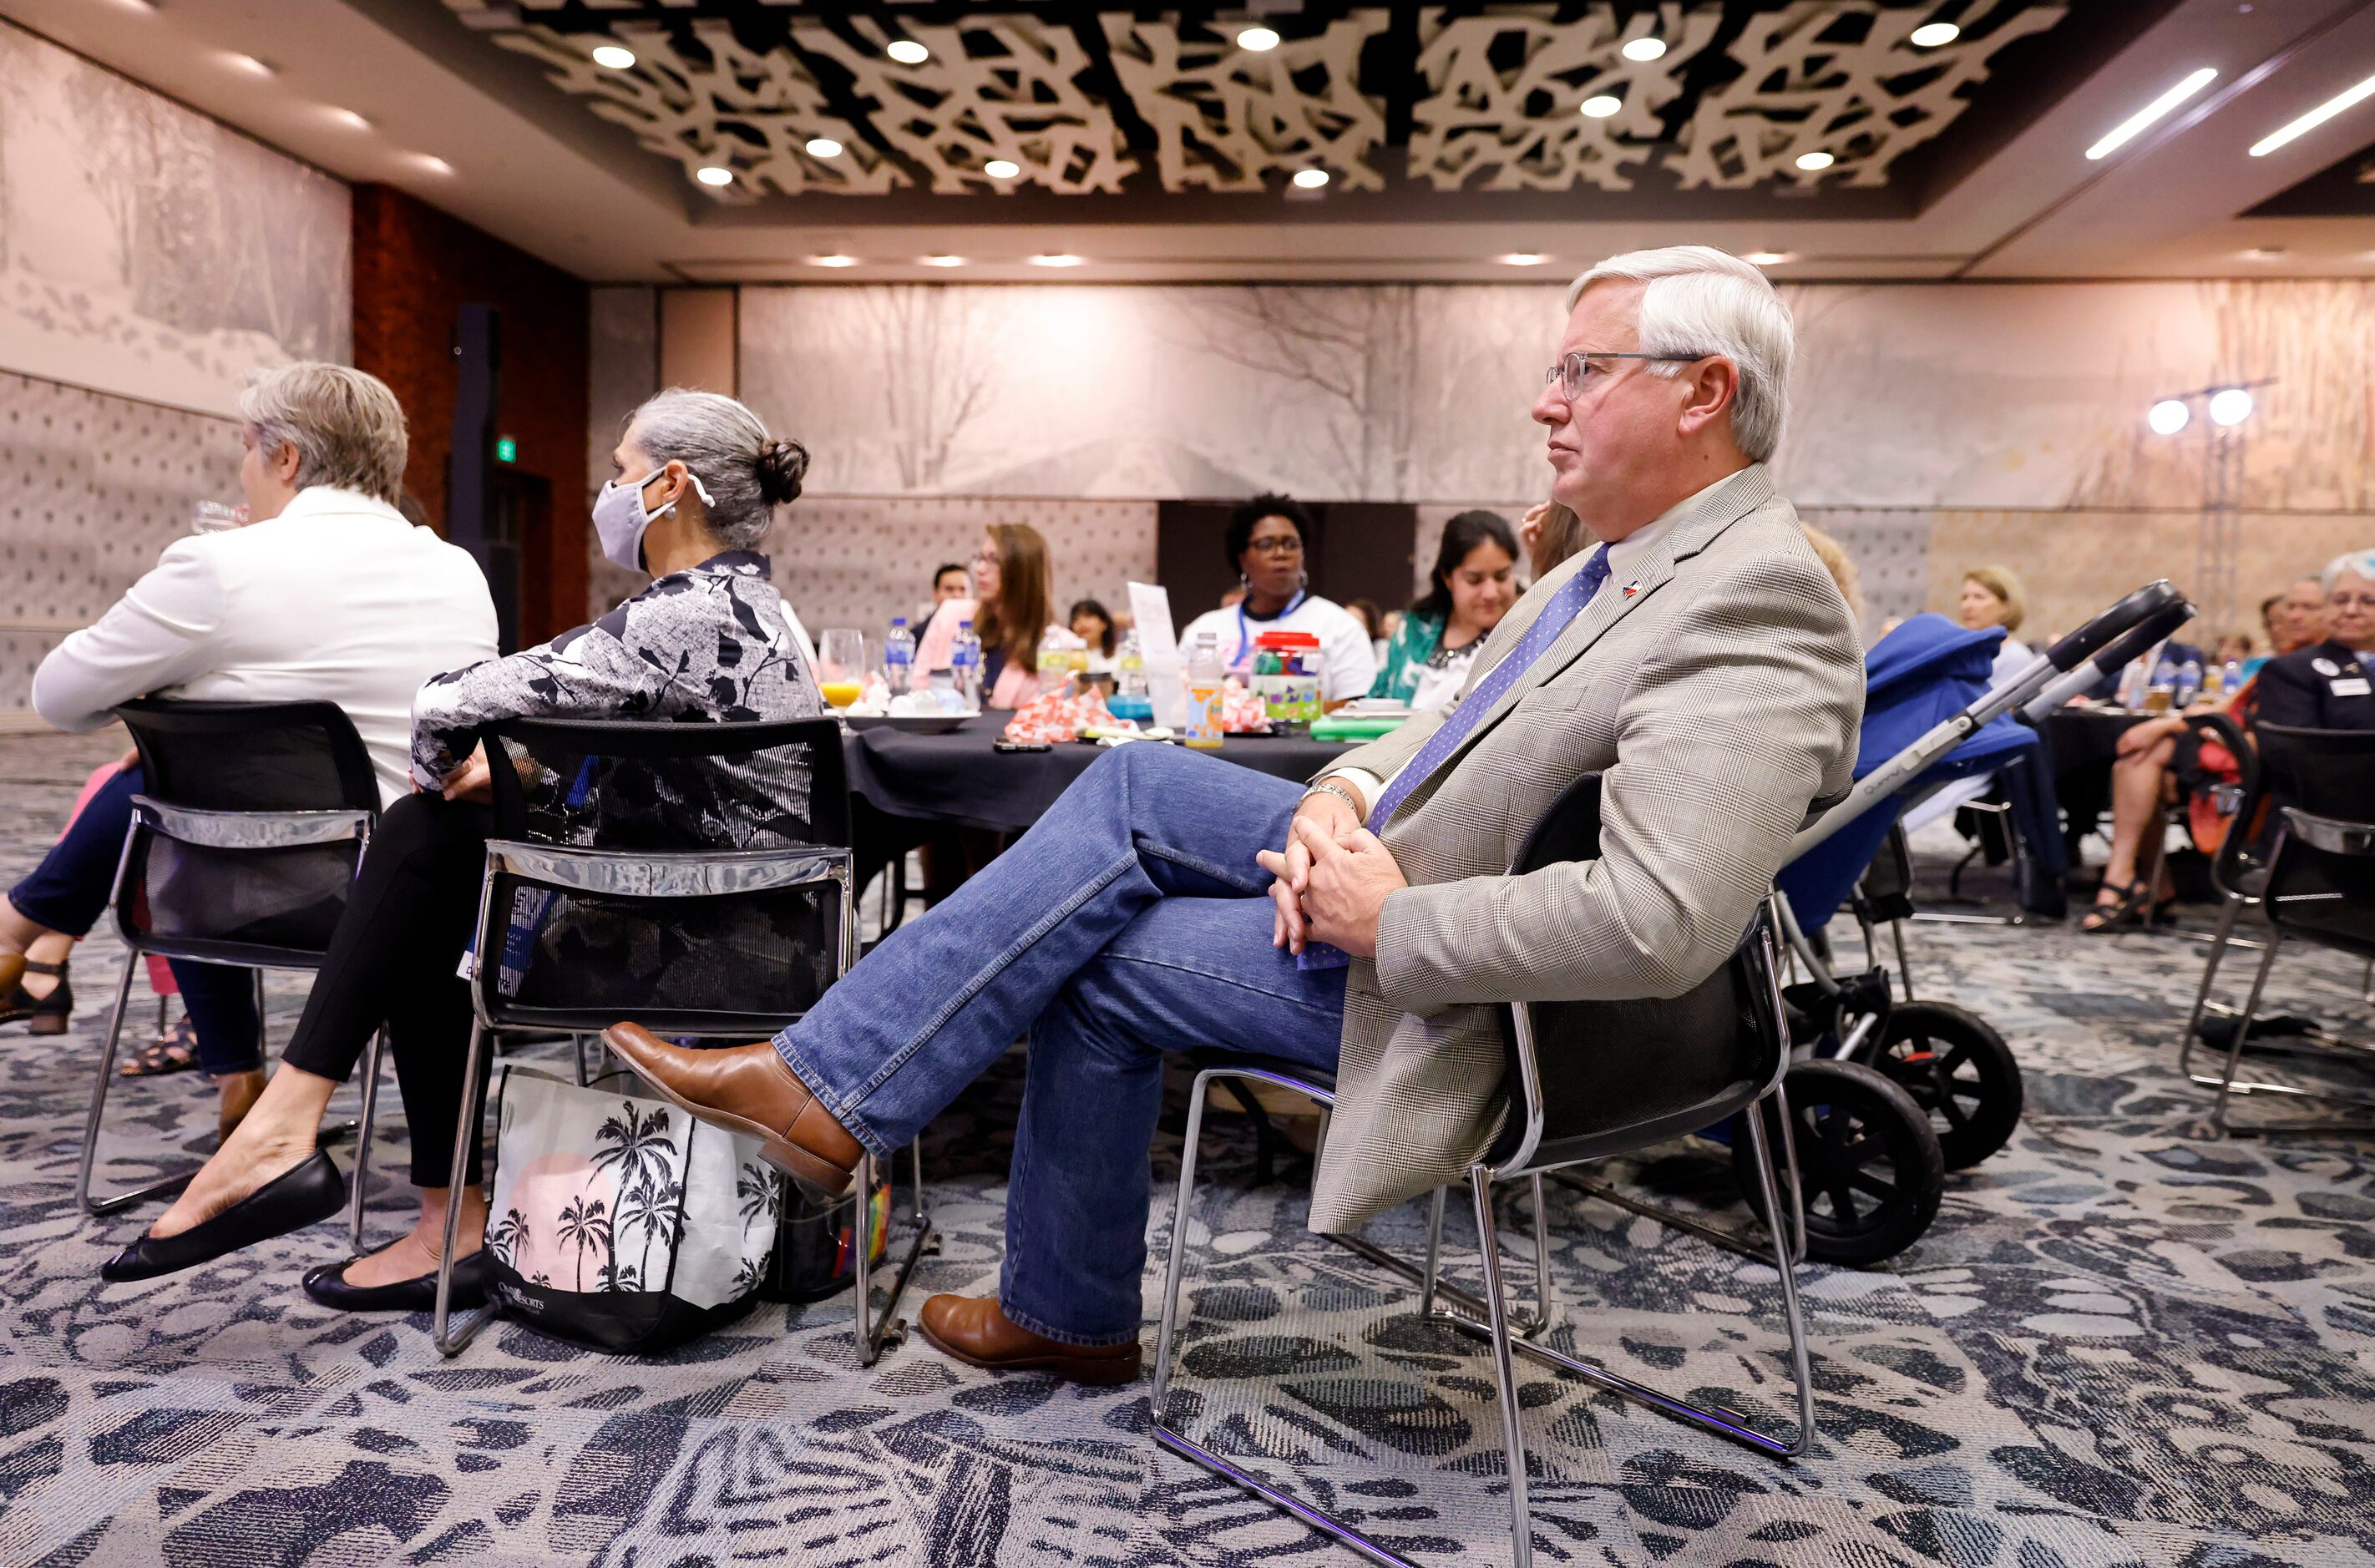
(68, 892)
(1131, 920)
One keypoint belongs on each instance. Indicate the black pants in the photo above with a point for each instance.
(392, 962)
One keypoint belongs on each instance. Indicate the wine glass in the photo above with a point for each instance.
(841, 665)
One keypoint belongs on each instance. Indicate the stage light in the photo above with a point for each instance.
(1522, 258)
(941, 261)
(2168, 416)
(832, 261)
(2230, 406)
(1765, 258)
(1056, 259)
(2135, 125)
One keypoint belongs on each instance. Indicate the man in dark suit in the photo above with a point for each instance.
(2329, 685)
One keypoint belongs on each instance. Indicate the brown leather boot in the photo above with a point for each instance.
(975, 1330)
(747, 1089)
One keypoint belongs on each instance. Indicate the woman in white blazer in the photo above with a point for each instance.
(327, 595)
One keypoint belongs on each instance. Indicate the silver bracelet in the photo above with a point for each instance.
(1342, 793)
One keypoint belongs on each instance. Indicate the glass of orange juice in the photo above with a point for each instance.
(841, 665)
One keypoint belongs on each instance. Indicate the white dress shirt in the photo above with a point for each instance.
(338, 599)
(1621, 557)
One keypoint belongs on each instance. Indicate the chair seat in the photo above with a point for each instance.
(1321, 1078)
(2253, 883)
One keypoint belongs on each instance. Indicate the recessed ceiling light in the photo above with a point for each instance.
(1311, 179)
(906, 51)
(431, 163)
(2230, 406)
(1765, 258)
(350, 120)
(149, 6)
(1055, 261)
(1815, 162)
(1522, 258)
(824, 147)
(713, 174)
(835, 260)
(2135, 125)
(941, 261)
(1933, 35)
(1257, 40)
(1601, 105)
(247, 62)
(1001, 169)
(2315, 118)
(2264, 254)
(1645, 49)
(613, 55)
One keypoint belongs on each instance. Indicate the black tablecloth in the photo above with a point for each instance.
(958, 778)
(2083, 742)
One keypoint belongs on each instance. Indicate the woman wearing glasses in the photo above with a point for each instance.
(1266, 546)
(1010, 614)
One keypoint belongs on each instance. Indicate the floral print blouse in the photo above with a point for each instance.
(710, 644)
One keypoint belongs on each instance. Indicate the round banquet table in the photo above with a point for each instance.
(958, 778)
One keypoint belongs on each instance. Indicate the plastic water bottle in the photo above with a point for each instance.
(1205, 675)
(2234, 677)
(965, 658)
(899, 657)
(2189, 683)
(1130, 666)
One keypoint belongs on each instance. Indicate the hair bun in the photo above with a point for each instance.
(782, 466)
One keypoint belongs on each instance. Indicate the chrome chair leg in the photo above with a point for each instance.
(453, 1338)
(364, 1125)
(885, 1331)
(1904, 965)
(1182, 1207)
(1434, 1254)
(114, 1203)
(585, 1073)
(1545, 1292)
(1505, 1371)
(2230, 910)
(2244, 1033)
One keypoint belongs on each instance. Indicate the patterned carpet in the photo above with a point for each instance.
(2120, 1344)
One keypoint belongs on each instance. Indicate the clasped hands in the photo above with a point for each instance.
(1334, 876)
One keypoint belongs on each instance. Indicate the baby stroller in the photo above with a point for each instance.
(1887, 1094)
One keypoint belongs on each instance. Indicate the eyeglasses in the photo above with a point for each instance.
(1284, 544)
(2350, 601)
(986, 557)
(1574, 371)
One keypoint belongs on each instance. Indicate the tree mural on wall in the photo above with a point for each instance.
(1352, 347)
(932, 352)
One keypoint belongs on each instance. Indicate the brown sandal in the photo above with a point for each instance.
(50, 1014)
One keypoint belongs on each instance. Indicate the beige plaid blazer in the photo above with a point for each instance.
(1718, 688)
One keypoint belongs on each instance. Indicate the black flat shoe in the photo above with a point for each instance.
(306, 1195)
(327, 1285)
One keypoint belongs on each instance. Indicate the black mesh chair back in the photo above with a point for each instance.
(1612, 1077)
(251, 819)
(2322, 880)
(691, 877)
(2328, 772)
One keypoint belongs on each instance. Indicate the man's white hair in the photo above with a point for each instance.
(2357, 564)
(1702, 302)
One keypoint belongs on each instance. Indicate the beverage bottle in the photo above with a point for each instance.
(2133, 682)
(964, 659)
(2188, 682)
(899, 657)
(2233, 681)
(2213, 680)
(1130, 666)
(1204, 677)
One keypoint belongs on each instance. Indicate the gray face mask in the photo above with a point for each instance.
(620, 517)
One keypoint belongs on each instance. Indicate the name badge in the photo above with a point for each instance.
(2351, 685)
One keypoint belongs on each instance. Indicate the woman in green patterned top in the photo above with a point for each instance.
(1472, 587)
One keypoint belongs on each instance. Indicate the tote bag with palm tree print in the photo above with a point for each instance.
(620, 1222)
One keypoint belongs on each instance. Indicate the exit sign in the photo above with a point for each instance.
(506, 450)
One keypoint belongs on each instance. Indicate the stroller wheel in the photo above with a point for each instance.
(1956, 1067)
(1867, 1159)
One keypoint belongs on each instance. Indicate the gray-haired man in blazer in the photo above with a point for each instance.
(1701, 660)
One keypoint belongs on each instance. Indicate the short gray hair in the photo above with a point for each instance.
(745, 472)
(2358, 563)
(347, 426)
(1701, 302)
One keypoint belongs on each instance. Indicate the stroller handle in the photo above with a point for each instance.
(2112, 658)
(2125, 615)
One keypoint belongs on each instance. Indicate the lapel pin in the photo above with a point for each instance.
(1630, 589)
